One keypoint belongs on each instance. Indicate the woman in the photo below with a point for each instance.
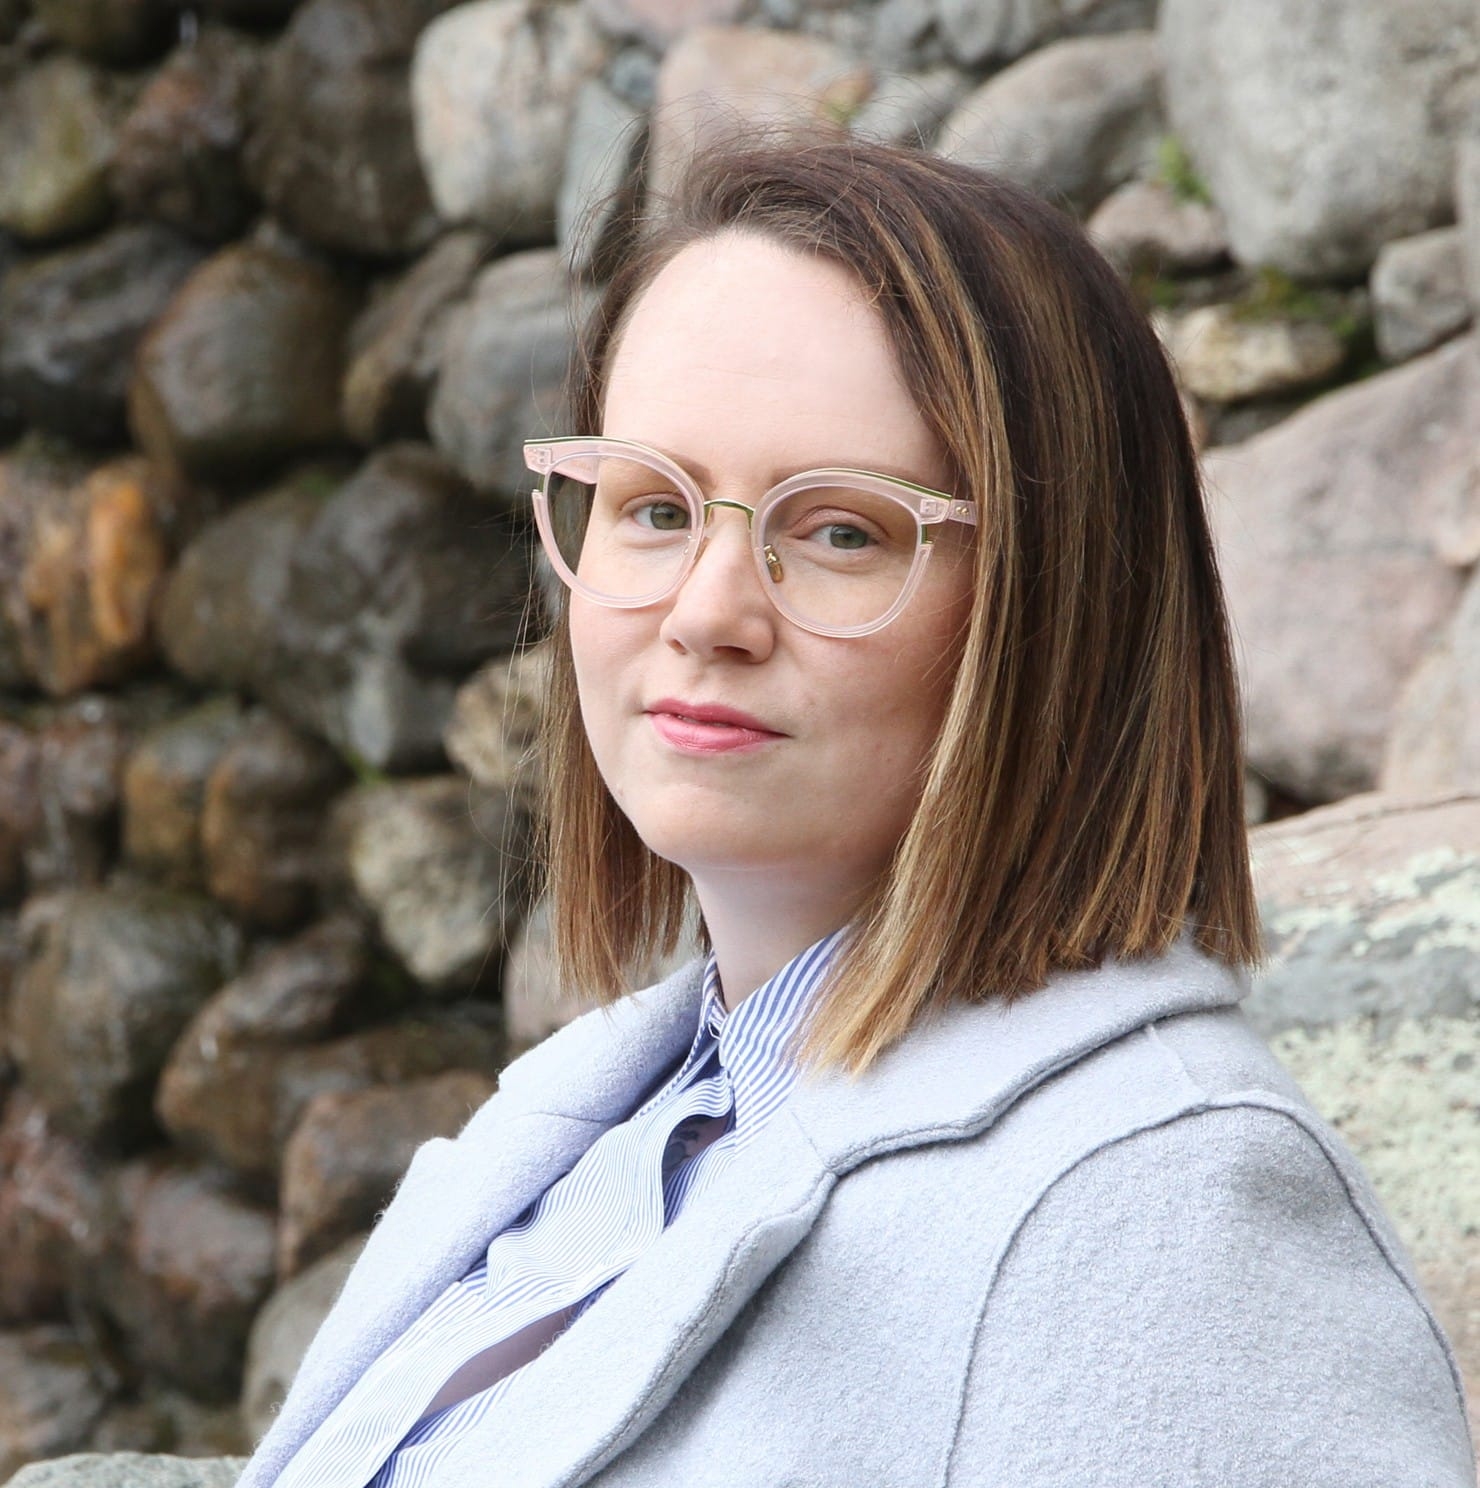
(895, 644)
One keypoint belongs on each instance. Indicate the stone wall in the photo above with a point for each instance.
(283, 283)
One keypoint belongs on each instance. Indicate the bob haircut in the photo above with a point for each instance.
(1084, 798)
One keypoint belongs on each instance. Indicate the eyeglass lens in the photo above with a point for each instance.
(838, 556)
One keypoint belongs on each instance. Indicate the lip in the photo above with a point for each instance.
(708, 728)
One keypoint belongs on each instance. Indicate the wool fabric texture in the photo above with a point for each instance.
(1094, 1236)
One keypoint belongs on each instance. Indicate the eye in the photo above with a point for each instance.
(843, 535)
(661, 515)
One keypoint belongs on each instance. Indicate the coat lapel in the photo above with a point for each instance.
(572, 1410)
(456, 1195)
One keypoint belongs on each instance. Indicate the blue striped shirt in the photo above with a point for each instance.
(450, 1368)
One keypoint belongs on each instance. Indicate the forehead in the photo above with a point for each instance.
(743, 352)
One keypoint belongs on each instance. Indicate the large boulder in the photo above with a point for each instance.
(112, 977)
(243, 369)
(1435, 738)
(599, 181)
(1071, 122)
(82, 556)
(350, 1150)
(179, 155)
(261, 821)
(1343, 535)
(978, 31)
(1323, 131)
(334, 155)
(59, 120)
(716, 81)
(1371, 912)
(396, 346)
(443, 865)
(186, 1265)
(503, 370)
(354, 611)
(71, 321)
(492, 85)
(1419, 296)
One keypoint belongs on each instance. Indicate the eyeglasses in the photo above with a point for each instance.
(838, 551)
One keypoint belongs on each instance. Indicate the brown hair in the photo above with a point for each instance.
(1085, 796)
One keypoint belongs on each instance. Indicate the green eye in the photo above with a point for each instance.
(664, 516)
(840, 535)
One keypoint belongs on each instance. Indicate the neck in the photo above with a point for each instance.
(755, 928)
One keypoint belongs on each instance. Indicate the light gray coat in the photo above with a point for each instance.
(1097, 1238)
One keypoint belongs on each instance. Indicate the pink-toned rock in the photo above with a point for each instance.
(1142, 225)
(349, 1151)
(187, 1266)
(1435, 737)
(718, 80)
(1344, 535)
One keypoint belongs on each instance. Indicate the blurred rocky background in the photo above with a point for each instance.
(283, 283)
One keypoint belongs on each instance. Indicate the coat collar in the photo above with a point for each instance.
(571, 1410)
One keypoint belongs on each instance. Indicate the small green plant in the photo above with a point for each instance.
(1175, 171)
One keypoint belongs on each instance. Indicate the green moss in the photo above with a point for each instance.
(1175, 171)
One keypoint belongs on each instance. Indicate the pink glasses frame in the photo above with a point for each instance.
(928, 507)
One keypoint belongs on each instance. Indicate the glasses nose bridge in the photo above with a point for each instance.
(705, 507)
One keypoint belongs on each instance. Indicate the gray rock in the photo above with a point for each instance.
(186, 1265)
(261, 822)
(1372, 996)
(720, 81)
(503, 370)
(1323, 132)
(978, 31)
(1144, 228)
(1343, 536)
(905, 38)
(257, 15)
(117, 33)
(493, 732)
(492, 86)
(130, 1470)
(1072, 122)
(244, 368)
(179, 155)
(599, 184)
(909, 108)
(20, 805)
(60, 120)
(1434, 743)
(632, 74)
(70, 323)
(333, 155)
(164, 786)
(396, 346)
(1224, 356)
(1467, 209)
(352, 611)
(443, 865)
(283, 1331)
(349, 1151)
(113, 977)
(51, 1397)
(1418, 293)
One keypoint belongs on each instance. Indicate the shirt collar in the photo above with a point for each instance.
(755, 1039)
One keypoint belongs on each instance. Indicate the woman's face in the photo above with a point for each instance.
(746, 362)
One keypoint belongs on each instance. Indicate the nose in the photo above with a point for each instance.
(720, 608)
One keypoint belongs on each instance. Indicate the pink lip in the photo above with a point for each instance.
(707, 728)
